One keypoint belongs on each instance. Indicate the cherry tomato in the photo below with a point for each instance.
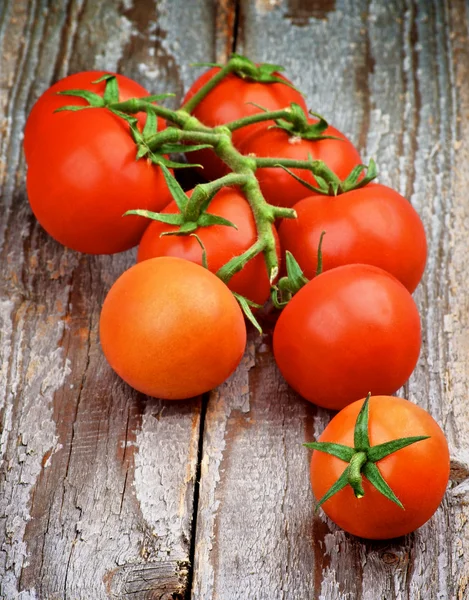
(85, 177)
(171, 329)
(42, 115)
(348, 331)
(417, 474)
(278, 186)
(234, 98)
(221, 243)
(373, 225)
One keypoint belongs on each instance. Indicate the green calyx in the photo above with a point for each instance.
(298, 125)
(362, 459)
(328, 184)
(109, 97)
(295, 279)
(242, 67)
(264, 73)
(192, 210)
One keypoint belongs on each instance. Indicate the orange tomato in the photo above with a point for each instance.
(417, 474)
(171, 329)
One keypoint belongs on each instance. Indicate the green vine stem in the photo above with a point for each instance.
(187, 133)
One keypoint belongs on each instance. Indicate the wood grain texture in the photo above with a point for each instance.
(97, 482)
(393, 76)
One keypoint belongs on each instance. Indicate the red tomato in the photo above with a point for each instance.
(42, 116)
(373, 225)
(350, 330)
(230, 100)
(221, 243)
(417, 474)
(83, 180)
(277, 185)
(171, 329)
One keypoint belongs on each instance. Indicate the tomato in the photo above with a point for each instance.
(230, 100)
(85, 177)
(348, 331)
(171, 329)
(221, 243)
(373, 225)
(42, 116)
(278, 186)
(417, 474)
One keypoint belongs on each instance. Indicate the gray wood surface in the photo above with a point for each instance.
(105, 493)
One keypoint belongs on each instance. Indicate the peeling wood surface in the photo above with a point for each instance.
(105, 493)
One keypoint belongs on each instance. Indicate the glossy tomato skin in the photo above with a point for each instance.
(80, 187)
(373, 225)
(42, 115)
(171, 329)
(349, 331)
(280, 188)
(221, 243)
(417, 474)
(230, 100)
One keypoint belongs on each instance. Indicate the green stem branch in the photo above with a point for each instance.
(285, 113)
(190, 105)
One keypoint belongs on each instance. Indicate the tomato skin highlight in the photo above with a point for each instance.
(42, 115)
(171, 329)
(221, 243)
(80, 190)
(229, 101)
(278, 186)
(417, 474)
(349, 331)
(373, 225)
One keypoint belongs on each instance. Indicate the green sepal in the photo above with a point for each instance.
(299, 126)
(263, 73)
(376, 453)
(168, 218)
(179, 195)
(72, 108)
(245, 305)
(94, 100)
(288, 286)
(186, 228)
(142, 150)
(361, 440)
(295, 276)
(207, 219)
(319, 259)
(151, 125)
(104, 77)
(340, 484)
(372, 473)
(131, 120)
(111, 91)
(322, 188)
(328, 182)
(345, 453)
(160, 160)
(204, 251)
(158, 97)
(352, 182)
(172, 148)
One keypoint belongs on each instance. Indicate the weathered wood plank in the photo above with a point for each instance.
(96, 481)
(393, 76)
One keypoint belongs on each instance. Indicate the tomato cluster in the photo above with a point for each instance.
(100, 180)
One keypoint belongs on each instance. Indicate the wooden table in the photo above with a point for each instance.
(108, 494)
